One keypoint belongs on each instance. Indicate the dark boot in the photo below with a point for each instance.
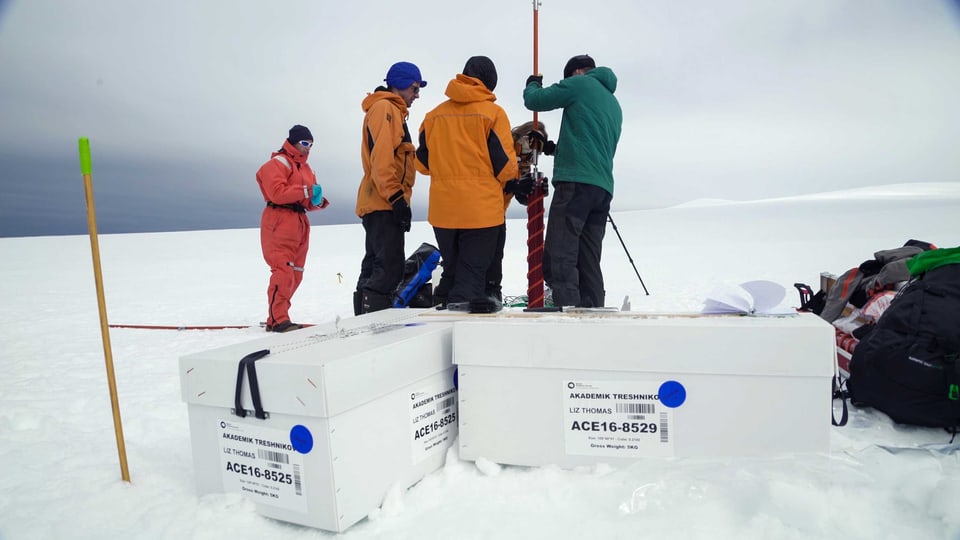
(373, 301)
(485, 304)
(285, 326)
(357, 302)
(492, 289)
(423, 298)
(481, 304)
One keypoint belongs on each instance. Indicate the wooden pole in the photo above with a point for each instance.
(86, 170)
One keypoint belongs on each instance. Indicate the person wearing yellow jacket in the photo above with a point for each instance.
(466, 147)
(383, 198)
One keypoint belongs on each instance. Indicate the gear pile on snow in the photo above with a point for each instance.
(897, 318)
(907, 366)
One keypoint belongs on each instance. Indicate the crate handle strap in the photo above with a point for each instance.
(247, 362)
(842, 394)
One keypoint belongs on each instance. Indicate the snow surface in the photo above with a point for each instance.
(59, 470)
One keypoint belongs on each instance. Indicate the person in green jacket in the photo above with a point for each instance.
(582, 177)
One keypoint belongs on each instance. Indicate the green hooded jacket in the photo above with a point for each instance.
(928, 260)
(590, 128)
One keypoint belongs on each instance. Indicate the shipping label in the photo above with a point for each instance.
(433, 418)
(262, 464)
(623, 419)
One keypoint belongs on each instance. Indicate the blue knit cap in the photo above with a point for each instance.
(403, 74)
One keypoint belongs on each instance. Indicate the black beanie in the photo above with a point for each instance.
(578, 62)
(299, 133)
(482, 68)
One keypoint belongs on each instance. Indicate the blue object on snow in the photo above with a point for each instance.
(423, 275)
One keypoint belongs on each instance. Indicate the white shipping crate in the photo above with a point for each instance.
(575, 390)
(350, 410)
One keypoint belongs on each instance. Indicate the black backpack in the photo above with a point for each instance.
(415, 289)
(907, 366)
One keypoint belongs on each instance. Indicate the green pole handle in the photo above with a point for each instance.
(85, 166)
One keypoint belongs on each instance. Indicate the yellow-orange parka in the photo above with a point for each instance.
(466, 148)
(386, 152)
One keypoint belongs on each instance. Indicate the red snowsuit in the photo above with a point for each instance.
(286, 182)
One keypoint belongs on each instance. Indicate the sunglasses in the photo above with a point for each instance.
(306, 144)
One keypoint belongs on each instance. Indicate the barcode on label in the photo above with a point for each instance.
(636, 408)
(447, 402)
(663, 428)
(297, 486)
(270, 455)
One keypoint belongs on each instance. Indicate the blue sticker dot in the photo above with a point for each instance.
(301, 439)
(672, 394)
(456, 382)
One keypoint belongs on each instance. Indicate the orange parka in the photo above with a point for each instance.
(467, 150)
(386, 152)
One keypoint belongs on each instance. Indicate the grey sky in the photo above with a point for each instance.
(183, 100)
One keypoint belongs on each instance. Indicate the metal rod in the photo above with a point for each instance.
(616, 230)
(535, 290)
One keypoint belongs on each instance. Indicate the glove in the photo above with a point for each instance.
(524, 197)
(535, 78)
(401, 211)
(520, 186)
(537, 140)
(317, 196)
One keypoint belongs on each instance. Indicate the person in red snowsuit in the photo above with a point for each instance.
(290, 189)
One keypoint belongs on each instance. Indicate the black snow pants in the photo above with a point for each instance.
(573, 244)
(467, 255)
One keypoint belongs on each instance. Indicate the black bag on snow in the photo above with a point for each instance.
(907, 366)
(415, 289)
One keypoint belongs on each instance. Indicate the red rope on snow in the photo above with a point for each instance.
(182, 327)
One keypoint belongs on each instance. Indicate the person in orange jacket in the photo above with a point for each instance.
(290, 189)
(466, 147)
(383, 198)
